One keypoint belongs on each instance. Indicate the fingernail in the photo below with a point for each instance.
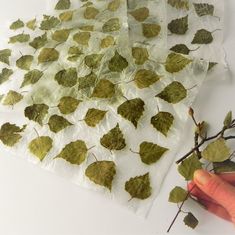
(202, 177)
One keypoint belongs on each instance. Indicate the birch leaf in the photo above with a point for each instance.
(82, 38)
(140, 14)
(190, 220)
(181, 48)
(40, 146)
(212, 65)
(5, 75)
(203, 9)
(25, 62)
(151, 153)
(86, 27)
(10, 134)
(74, 153)
(4, 56)
(66, 16)
(74, 54)
(227, 166)
(12, 98)
(39, 41)
(93, 60)
(162, 122)
(114, 139)
(173, 93)
(228, 119)
(132, 110)
(111, 25)
(151, 30)
(36, 112)
(139, 187)
(61, 35)
(68, 104)
(202, 36)
(87, 82)
(114, 5)
(17, 25)
(176, 62)
(216, 151)
(118, 63)
(63, 5)
(20, 38)
(49, 22)
(178, 195)
(140, 55)
(58, 123)
(107, 42)
(31, 77)
(102, 173)
(48, 55)
(179, 4)
(179, 26)
(32, 24)
(104, 89)
(67, 78)
(90, 13)
(94, 117)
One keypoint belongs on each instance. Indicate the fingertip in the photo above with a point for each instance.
(202, 177)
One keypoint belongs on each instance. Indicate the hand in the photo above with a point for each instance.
(215, 192)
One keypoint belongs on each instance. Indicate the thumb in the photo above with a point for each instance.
(217, 189)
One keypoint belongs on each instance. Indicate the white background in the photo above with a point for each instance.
(36, 202)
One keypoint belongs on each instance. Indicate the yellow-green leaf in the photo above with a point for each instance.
(94, 117)
(12, 98)
(25, 62)
(48, 55)
(67, 78)
(151, 30)
(179, 26)
(228, 119)
(90, 13)
(177, 195)
(118, 63)
(140, 54)
(20, 38)
(114, 5)
(32, 24)
(39, 41)
(107, 42)
(66, 16)
(5, 75)
(4, 56)
(68, 104)
(82, 38)
(31, 77)
(61, 35)
(49, 22)
(111, 25)
(63, 5)
(58, 123)
(140, 14)
(17, 25)
(104, 89)
(93, 60)
(87, 81)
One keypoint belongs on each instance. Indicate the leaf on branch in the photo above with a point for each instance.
(190, 220)
(177, 195)
(202, 36)
(179, 26)
(94, 117)
(58, 123)
(151, 30)
(140, 14)
(4, 56)
(68, 104)
(12, 98)
(82, 38)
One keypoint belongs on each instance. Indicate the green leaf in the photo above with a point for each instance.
(139, 187)
(173, 93)
(212, 65)
(87, 81)
(66, 16)
(107, 42)
(151, 153)
(104, 89)
(25, 62)
(94, 117)
(181, 48)
(12, 98)
(102, 173)
(224, 167)
(140, 14)
(151, 30)
(31, 77)
(203, 9)
(4, 56)
(61, 35)
(58, 123)
(163, 122)
(216, 151)
(68, 104)
(114, 139)
(40, 146)
(179, 26)
(10, 134)
(202, 36)
(74, 54)
(32, 24)
(114, 5)
(90, 13)
(132, 110)
(63, 5)
(17, 25)
(177, 195)
(145, 78)
(93, 60)
(189, 166)
(39, 41)
(111, 25)
(74, 152)
(176, 62)
(67, 78)
(36, 112)
(228, 119)
(118, 63)
(82, 38)
(86, 27)
(48, 55)
(49, 22)
(20, 38)
(179, 4)
(140, 55)
(5, 75)
(190, 220)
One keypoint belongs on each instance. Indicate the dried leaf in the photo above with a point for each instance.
(20, 38)
(202, 36)
(67, 78)
(68, 104)
(63, 5)
(48, 55)
(87, 82)
(12, 98)
(228, 119)
(190, 220)
(151, 30)
(66, 16)
(93, 60)
(139, 187)
(140, 54)
(181, 48)
(140, 14)
(58, 123)
(107, 42)
(114, 139)
(5, 75)
(4, 56)
(212, 65)
(31, 77)
(114, 5)
(203, 9)
(102, 173)
(111, 25)
(86, 27)
(179, 4)
(25, 62)
(104, 89)
(39, 41)
(40, 146)
(177, 195)
(90, 13)
(74, 153)
(75, 53)
(132, 110)
(49, 22)
(179, 26)
(94, 117)
(17, 25)
(82, 38)
(61, 35)
(163, 122)
(32, 24)
(227, 166)
(118, 63)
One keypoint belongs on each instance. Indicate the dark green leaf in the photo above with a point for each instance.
(94, 117)
(212, 65)
(203, 9)
(179, 26)
(224, 167)
(190, 220)
(58, 123)
(181, 48)
(177, 195)
(179, 4)
(31, 77)
(93, 60)
(67, 78)
(87, 82)
(118, 63)
(202, 36)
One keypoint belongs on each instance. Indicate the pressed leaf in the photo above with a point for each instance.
(82, 38)
(111, 25)
(87, 81)
(39, 41)
(139, 187)
(176, 62)
(31, 77)
(179, 4)
(86, 27)
(118, 63)
(163, 122)
(107, 42)
(140, 55)
(104, 89)
(67, 78)
(151, 153)
(17, 25)
(10, 134)
(94, 117)
(189, 166)
(32, 24)
(132, 110)
(12, 98)
(114, 139)
(36, 112)
(58, 123)
(224, 167)
(74, 152)
(140, 14)
(216, 151)
(63, 5)
(74, 54)
(40, 146)
(20, 38)
(5, 75)
(190, 220)
(173, 93)
(90, 13)
(25, 62)
(151, 30)
(228, 119)
(61, 35)
(66, 16)
(93, 60)
(49, 22)
(202, 36)
(181, 48)
(177, 195)
(102, 173)
(114, 5)
(179, 26)
(203, 9)
(68, 104)
(48, 55)
(212, 65)
(4, 56)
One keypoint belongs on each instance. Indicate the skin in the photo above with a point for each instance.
(215, 192)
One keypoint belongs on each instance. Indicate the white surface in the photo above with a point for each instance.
(36, 202)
